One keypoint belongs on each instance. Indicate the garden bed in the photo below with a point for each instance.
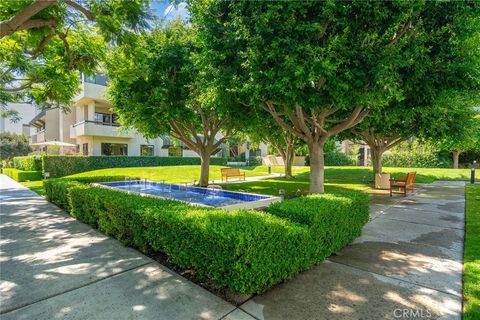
(241, 251)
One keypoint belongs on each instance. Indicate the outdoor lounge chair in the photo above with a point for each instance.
(402, 184)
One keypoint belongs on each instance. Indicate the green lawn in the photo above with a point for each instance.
(471, 277)
(36, 186)
(342, 179)
(175, 174)
(337, 178)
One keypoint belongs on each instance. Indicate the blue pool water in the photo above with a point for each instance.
(196, 195)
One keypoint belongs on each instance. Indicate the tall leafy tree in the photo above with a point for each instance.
(260, 127)
(13, 145)
(441, 121)
(318, 68)
(45, 43)
(466, 138)
(438, 91)
(157, 88)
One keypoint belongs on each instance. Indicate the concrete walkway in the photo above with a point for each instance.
(407, 263)
(54, 267)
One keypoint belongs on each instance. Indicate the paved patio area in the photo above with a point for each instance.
(407, 262)
(54, 267)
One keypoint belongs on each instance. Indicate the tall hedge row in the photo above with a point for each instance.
(59, 166)
(20, 175)
(28, 163)
(245, 251)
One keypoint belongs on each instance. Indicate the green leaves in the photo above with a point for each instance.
(156, 80)
(46, 44)
(12, 145)
(245, 251)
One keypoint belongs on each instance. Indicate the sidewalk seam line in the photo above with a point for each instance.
(73, 289)
(425, 224)
(394, 278)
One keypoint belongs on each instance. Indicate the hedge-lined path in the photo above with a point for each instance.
(54, 267)
(409, 257)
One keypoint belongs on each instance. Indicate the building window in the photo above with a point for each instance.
(114, 149)
(174, 151)
(85, 149)
(255, 152)
(96, 79)
(146, 150)
(103, 118)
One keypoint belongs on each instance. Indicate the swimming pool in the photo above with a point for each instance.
(209, 197)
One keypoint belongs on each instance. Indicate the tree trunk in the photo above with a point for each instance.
(456, 156)
(205, 168)
(377, 154)
(317, 169)
(288, 160)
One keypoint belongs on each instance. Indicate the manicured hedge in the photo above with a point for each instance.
(335, 158)
(245, 251)
(412, 159)
(334, 219)
(59, 166)
(20, 175)
(28, 163)
(56, 190)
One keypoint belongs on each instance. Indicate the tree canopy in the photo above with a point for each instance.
(44, 44)
(157, 88)
(318, 68)
(13, 145)
(465, 138)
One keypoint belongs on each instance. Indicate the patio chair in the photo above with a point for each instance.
(402, 184)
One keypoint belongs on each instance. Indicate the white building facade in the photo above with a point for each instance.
(92, 127)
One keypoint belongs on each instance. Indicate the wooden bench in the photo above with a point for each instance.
(403, 184)
(232, 172)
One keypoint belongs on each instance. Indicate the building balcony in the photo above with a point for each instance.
(89, 92)
(101, 129)
(38, 136)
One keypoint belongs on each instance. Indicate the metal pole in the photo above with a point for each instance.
(472, 172)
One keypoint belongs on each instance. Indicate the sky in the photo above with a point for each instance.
(163, 9)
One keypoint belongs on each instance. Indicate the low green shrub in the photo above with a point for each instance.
(255, 161)
(20, 175)
(337, 158)
(245, 251)
(334, 219)
(416, 155)
(28, 163)
(60, 165)
(56, 190)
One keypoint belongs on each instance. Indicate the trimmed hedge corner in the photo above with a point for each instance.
(60, 166)
(334, 219)
(56, 190)
(20, 175)
(28, 163)
(245, 251)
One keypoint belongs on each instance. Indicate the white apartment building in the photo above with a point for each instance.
(92, 127)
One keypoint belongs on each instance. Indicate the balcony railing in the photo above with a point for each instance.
(101, 123)
(99, 128)
(96, 79)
